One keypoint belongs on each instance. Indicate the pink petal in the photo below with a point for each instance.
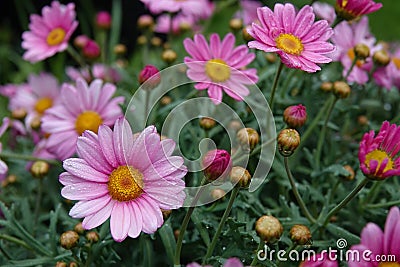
(120, 221)
(136, 220)
(81, 169)
(99, 217)
(84, 191)
(87, 207)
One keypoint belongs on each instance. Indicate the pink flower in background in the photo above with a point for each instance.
(378, 155)
(320, 260)
(41, 151)
(40, 94)
(99, 71)
(300, 42)
(179, 22)
(9, 90)
(231, 262)
(324, 11)
(3, 166)
(219, 66)
(351, 9)
(380, 243)
(389, 76)
(200, 9)
(345, 38)
(50, 33)
(248, 12)
(81, 108)
(127, 179)
(103, 20)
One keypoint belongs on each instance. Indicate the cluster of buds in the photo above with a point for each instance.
(89, 48)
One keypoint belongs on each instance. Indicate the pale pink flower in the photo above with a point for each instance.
(81, 108)
(389, 76)
(127, 179)
(8, 90)
(200, 9)
(99, 71)
(379, 244)
(179, 22)
(50, 33)
(219, 66)
(300, 42)
(3, 166)
(324, 11)
(248, 11)
(231, 262)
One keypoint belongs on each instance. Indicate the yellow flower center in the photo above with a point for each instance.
(218, 70)
(289, 43)
(88, 120)
(379, 156)
(56, 36)
(396, 62)
(125, 183)
(352, 55)
(344, 3)
(42, 104)
(389, 264)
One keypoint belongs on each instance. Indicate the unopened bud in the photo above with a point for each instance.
(361, 51)
(80, 41)
(141, 40)
(246, 36)
(165, 100)
(166, 214)
(235, 24)
(36, 123)
(39, 169)
(248, 138)
(351, 172)
(288, 141)
(79, 228)
(120, 49)
(270, 57)
(326, 86)
(69, 239)
(156, 41)
(145, 22)
(207, 123)
(61, 264)
(381, 58)
(91, 50)
(362, 120)
(269, 229)
(19, 113)
(300, 234)
(92, 236)
(12, 178)
(217, 193)
(103, 20)
(295, 116)
(176, 233)
(73, 264)
(169, 56)
(341, 89)
(240, 176)
(149, 77)
(235, 125)
(216, 163)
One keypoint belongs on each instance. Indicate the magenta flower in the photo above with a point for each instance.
(295, 116)
(3, 166)
(379, 155)
(81, 108)
(103, 20)
(149, 75)
(380, 245)
(300, 42)
(216, 163)
(219, 67)
(231, 262)
(248, 12)
(127, 179)
(351, 9)
(91, 49)
(346, 37)
(321, 260)
(50, 33)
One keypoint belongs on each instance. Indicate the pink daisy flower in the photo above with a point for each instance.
(389, 76)
(324, 11)
(40, 94)
(219, 67)
(248, 12)
(320, 260)
(378, 155)
(346, 37)
(3, 166)
(81, 108)
(197, 8)
(50, 33)
(351, 9)
(380, 245)
(231, 262)
(127, 179)
(99, 71)
(300, 42)
(179, 22)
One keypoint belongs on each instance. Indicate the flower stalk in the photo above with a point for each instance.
(275, 84)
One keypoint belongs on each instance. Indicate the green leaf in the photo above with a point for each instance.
(198, 222)
(53, 229)
(168, 239)
(343, 233)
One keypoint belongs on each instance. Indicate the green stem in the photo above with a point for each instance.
(275, 84)
(351, 68)
(89, 257)
(323, 133)
(296, 193)
(177, 258)
(76, 56)
(255, 151)
(383, 205)
(28, 157)
(211, 248)
(260, 247)
(346, 200)
(372, 193)
(38, 200)
(333, 191)
(15, 240)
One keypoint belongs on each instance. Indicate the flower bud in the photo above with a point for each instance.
(103, 20)
(73, 264)
(362, 120)
(246, 36)
(341, 89)
(248, 138)
(79, 228)
(166, 214)
(61, 264)
(351, 172)
(326, 86)
(145, 22)
(217, 193)
(69, 239)
(207, 123)
(169, 56)
(141, 40)
(165, 100)
(80, 41)
(381, 58)
(361, 51)
(39, 169)
(18, 113)
(288, 141)
(36, 123)
(149, 77)
(120, 49)
(176, 233)
(235, 24)
(295, 116)
(216, 163)
(92, 236)
(269, 229)
(270, 57)
(300, 234)
(12, 178)
(91, 50)
(156, 41)
(235, 125)
(240, 176)
(185, 26)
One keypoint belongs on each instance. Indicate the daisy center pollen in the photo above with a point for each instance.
(88, 120)
(42, 104)
(379, 156)
(389, 264)
(125, 183)
(218, 70)
(396, 62)
(56, 36)
(289, 43)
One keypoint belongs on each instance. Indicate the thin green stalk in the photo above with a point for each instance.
(346, 200)
(177, 258)
(89, 257)
(323, 133)
(333, 191)
(115, 30)
(383, 205)
(351, 68)
(372, 193)
(15, 240)
(260, 247)
(72, 52)
(296, 193)
(28, 157)
(211, 248)
(275, 84)
(255, 151)
(38, 200)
